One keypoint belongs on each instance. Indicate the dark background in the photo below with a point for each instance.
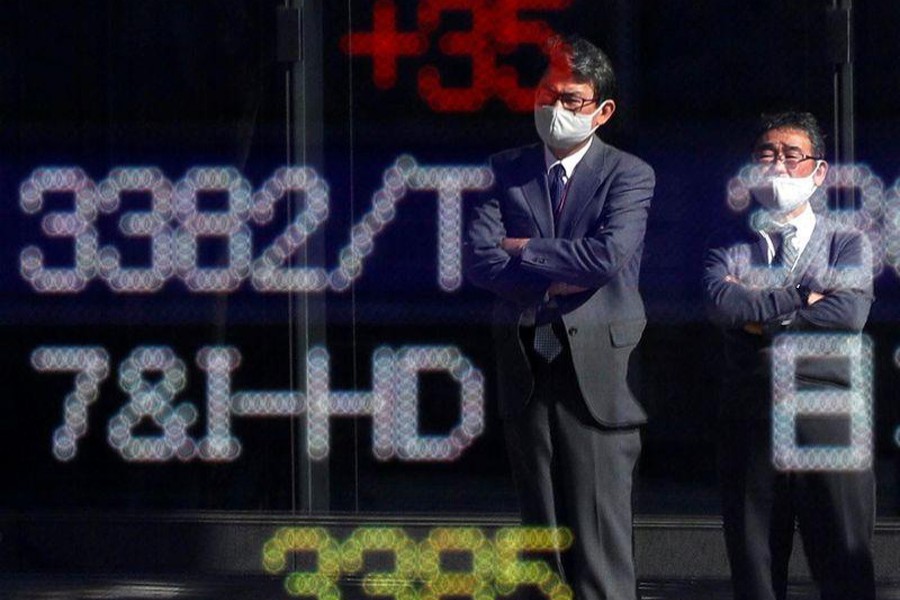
(104, 84)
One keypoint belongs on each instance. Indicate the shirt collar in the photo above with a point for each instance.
(805, 222)
(570, 162)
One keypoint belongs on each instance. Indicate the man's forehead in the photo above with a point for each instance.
(784, 137)
(563, 76)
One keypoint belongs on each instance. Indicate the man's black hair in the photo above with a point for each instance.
(588, 63)
(801, 121)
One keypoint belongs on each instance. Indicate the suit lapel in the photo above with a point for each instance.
(760, 253)
(583, 186)
(814, 248)
(536, 192)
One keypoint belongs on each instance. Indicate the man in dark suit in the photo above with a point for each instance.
(559, 243)
(791, 271)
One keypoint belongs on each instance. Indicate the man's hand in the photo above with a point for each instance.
(753, 328)
(513, 246)
(558, 288)
(814, 297)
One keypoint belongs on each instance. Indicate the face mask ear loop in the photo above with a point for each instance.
(599, 108)
(812, 173)
(819, 163)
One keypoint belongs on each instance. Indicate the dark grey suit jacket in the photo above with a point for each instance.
(837, 261)
(596, 244)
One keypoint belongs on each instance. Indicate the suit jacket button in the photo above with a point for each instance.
(573, 331)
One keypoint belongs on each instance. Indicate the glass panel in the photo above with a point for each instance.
(252, 267)
(143, 138)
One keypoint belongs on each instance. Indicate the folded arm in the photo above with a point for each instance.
(843, 307)
(490, 266)
(846, 306)
(730, 303)
(593, 260)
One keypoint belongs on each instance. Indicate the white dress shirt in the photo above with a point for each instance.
(805, 222)
(569, 163)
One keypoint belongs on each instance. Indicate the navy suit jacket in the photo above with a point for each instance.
(837, 261)
(596, 244)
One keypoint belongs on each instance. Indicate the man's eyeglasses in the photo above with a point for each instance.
(545, 96)
(790, 158)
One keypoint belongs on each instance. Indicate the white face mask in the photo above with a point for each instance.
(562, 129)
(785, 194)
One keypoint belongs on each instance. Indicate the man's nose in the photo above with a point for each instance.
(777, 167)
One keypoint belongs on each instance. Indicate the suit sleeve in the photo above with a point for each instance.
(490, 267)
(845, 306)
(732, 304)
(593, 260)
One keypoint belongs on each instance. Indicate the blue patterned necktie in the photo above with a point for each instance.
(557, 188)
(546, 343)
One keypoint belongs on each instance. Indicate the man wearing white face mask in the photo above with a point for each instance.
(559, 243)
(791, 270)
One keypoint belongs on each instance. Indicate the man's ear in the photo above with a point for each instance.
(820, 173)
(607, 108)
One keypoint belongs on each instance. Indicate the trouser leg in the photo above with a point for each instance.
(756, 509)
(837, 514)
(572, 473)
(530, 452)
(597, 505)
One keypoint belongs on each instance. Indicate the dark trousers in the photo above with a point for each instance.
(571, 472)
(834, 511)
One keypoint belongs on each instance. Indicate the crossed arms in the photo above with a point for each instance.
(526, 270)
(842, 305)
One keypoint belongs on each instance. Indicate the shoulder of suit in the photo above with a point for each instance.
(848, 245)
(612, 157)
(824, 219)
(619, 160)
(836, 228)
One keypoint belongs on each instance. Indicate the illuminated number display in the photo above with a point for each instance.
(790, 404)
(496, 566)
(392, 403)
(497, 29)
(176, 224)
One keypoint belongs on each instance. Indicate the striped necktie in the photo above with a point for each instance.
(789, 252)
